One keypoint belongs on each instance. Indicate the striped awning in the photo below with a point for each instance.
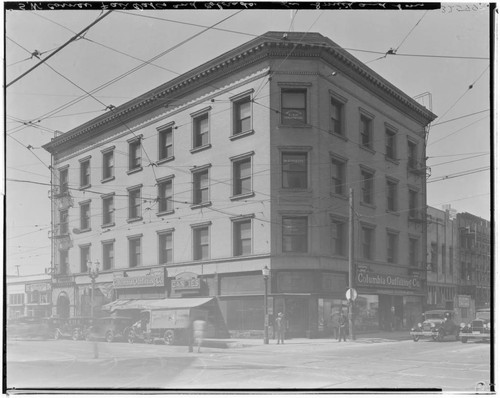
(168, 303)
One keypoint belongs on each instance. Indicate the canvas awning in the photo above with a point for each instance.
(168, 303)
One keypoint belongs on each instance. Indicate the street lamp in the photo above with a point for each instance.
(93, 274)
(265, 274)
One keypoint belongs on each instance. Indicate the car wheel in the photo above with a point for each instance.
(464, 340)
(440, 336)
(131, 337)
(416, 338)
(76, 335)
(169, 337)
(109, 337)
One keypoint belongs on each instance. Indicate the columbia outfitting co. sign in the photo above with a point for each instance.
(373, 279)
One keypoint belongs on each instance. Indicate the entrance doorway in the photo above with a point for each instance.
(391, 312)
(63, 305)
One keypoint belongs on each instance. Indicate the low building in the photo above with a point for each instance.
(28, 296)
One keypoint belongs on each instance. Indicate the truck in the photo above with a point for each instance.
(172, 326)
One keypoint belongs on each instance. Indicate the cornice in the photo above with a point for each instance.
(250, 53)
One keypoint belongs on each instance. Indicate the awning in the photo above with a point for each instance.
(169, 303)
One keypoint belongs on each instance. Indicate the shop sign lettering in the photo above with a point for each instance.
(186, 281)
(153, 279)
(388, 281)
(41, 287)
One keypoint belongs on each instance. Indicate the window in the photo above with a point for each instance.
(339, 235)
(412, 155)
(108, 165)
(84, 257)
(200, 131)
(134, 252)
(165, 247)
(413, 252)
(108, 210)
(336, 116)
(242, 237)
(338, 168)
(366, 125)
(392, 248)
(434, 257)
(63, 222)
(63, 181)
(84, 173)
(392, 190)
(443, 258)
(166, 143)
(200, 187)
(293, 106)
(242, 176)
(108, 255)
(134, 154)
(367, 187)
(390, 144)
(450, 259)
(63, 262)
(242, 115)
(84, 216)
(16, 299)
(200, 243)
(165, 196)
(134, 203)
(294, 170)
(295, 239)
(367, 242)
(413, 204)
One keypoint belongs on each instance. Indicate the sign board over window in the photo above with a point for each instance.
(41, 287)
(186, 281)
(463, 301)
(156, 277)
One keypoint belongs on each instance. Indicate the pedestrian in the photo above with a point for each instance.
(199, 330)
(342, 327)
(280, 325)
(336, 324)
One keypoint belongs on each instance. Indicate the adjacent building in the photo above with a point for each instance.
(246, 162)
(28, 296)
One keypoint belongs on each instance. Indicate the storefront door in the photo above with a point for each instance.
(296, 312)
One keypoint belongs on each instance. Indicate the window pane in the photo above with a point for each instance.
(293, 106)
(295, 234)
(294, 170)
(293, 99)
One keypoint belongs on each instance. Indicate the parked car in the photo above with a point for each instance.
(438, 324)
(110, 328)
(77, 326)
(169, 325)
(479, 328)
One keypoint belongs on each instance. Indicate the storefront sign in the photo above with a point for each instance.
(464, 301)
(373, 279)
(186, 281)
(154, 279)
(41, 287)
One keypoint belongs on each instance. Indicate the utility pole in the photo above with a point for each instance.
(351, 261)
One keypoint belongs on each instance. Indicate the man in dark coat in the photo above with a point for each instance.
(280, 325)
(342, 327)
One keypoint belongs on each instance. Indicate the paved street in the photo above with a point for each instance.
(298, 364)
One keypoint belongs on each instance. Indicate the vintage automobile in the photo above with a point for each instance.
(111, 328)
(479, 328)
(168, 325)
(77, 326)
(438, 324)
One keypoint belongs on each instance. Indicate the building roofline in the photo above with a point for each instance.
(301, 43)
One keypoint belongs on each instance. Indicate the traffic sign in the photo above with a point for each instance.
(351, 294)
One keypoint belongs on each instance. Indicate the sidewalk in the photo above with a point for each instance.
(374, 337)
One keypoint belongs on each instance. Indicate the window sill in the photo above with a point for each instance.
(294, 126)
(295, 254)
(242, 196)
(294, 190)
(241, 135)
(135, 219)
(393, 212)
(107, 179)
(199, 205)
(111, 224)
(85, 186)
(165, 213)
(367, 148)
(370, 205)
(85, 230)
(201, 148)
(132, 171)
(341, 136)
(165, 160)
(392, 160)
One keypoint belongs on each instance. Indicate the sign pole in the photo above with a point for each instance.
(351, 260)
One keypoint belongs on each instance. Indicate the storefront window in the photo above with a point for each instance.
(328, 310)
(366, 313)
(412, 311)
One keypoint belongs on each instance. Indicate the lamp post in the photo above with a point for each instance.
(265, 274)
(93, 274)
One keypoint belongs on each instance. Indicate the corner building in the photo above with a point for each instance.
(241, 163)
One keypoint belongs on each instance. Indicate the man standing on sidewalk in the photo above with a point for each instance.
(342, 327)
(280, 325)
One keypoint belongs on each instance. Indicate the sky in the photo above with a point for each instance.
(441, 53)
